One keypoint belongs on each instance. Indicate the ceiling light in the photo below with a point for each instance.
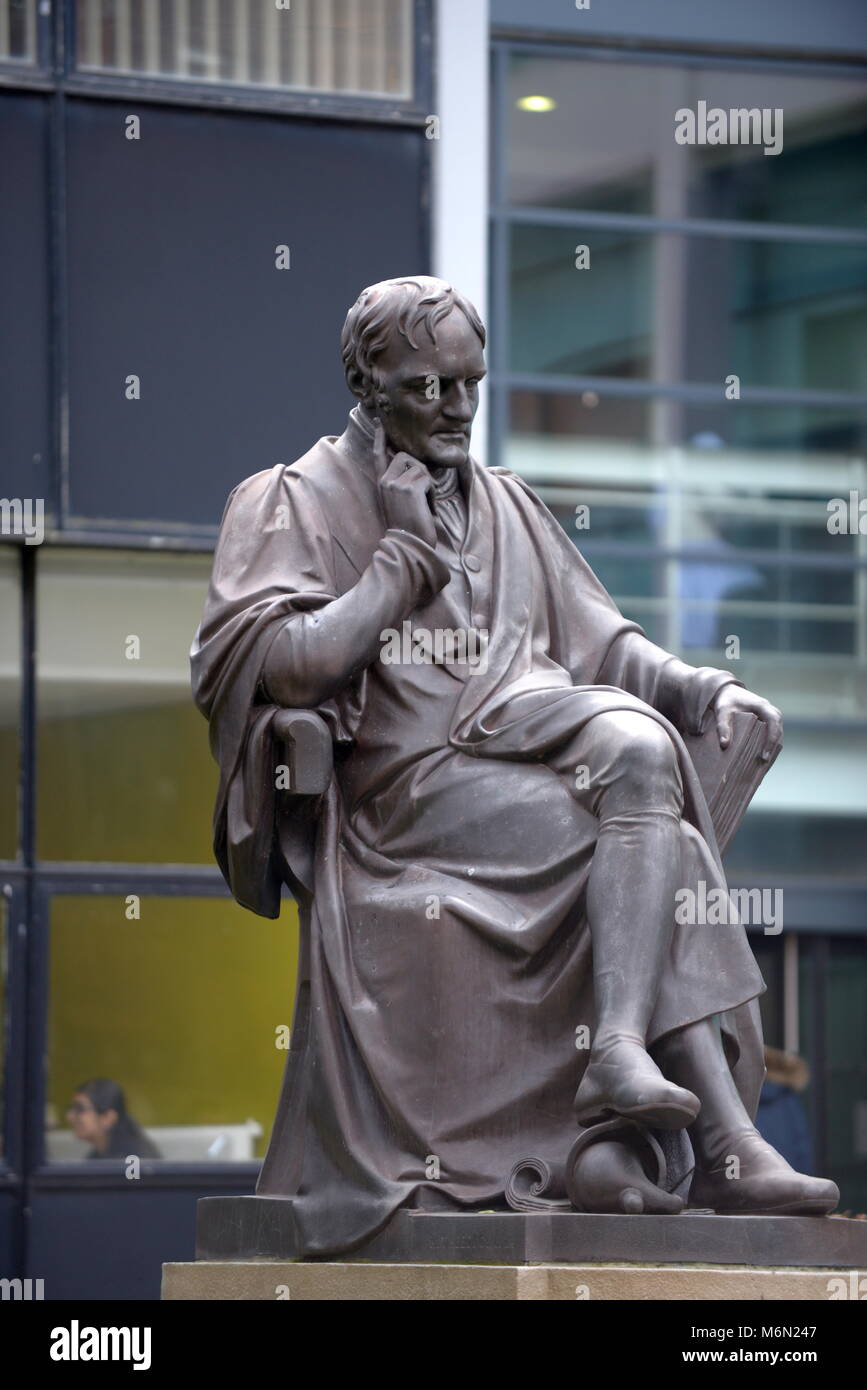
(536, 103)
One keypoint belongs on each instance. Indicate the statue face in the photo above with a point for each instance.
(433, 428)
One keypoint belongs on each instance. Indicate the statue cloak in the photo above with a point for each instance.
(446, 959)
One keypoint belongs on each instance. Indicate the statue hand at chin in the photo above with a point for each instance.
(406, 488)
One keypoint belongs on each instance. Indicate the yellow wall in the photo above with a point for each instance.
(133, 785)
(181, 1006)
(9, 774)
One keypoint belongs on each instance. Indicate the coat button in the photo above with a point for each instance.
(473, 563)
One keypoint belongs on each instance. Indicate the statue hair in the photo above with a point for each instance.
(405, 306)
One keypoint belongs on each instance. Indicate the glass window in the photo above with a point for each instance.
(769, 956)
(185, 1008)
(4, 1014)
(602, 140)
(769, 607)
(590, 416)
(10, 698)
(709, 520)
(705, 512)
(338, 46)
(583, 322)
(700, 545)
(838, 1092)
(807, 844)
(26, 402)
(18, 31)
(178, 373)
(846, 1047)
(792, 428)
(662, 307)
(125, 772)
(595, 418)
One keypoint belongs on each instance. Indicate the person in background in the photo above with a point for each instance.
(99, 1117)
(781, 1119)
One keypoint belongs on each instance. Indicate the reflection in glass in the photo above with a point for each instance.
(184, 1007)
(4, 1017)
(307, 46)
(10, 698)
(769, 957)
(700, 545)
(708, 520)
(587, 414)
(125, 772)
(662, 307)
(844, 1047)
(592, 417)
(18, 31)
(593, 322)
(792, 427)
(608, 145)
(814, 845)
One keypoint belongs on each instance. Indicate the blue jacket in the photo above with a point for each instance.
(781, 1120)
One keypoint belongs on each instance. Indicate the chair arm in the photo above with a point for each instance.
(307, 750)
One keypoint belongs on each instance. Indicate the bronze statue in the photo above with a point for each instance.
(434, 725)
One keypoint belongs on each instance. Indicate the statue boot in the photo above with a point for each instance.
(736, 1170)
(623, 1079)
(750, 1177)
(630, 907)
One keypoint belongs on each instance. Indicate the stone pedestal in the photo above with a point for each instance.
(276, 1280)
(255, 1228)
(247, 1250)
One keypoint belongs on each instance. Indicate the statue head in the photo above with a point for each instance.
(413, 353)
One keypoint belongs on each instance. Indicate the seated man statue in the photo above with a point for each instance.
(490, 952)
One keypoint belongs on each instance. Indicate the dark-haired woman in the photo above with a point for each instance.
(98, 1115)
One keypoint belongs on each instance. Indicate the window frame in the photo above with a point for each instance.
(35, 71)
(93, 880)
(53, 69)
(504, 215)
(29, 884)
(503, 380)
(53, 79)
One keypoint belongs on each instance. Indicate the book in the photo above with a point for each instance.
(729, 776)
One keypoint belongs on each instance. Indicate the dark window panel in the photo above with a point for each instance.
(24, 295)
(172, 278)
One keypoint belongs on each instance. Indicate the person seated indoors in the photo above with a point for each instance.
(98, 1116)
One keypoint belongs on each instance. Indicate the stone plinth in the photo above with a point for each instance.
(274, 1280)
(255, 1228)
